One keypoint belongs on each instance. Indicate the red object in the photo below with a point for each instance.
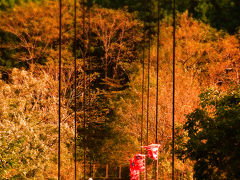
(139, 160)
(134, 172)
(152, 151)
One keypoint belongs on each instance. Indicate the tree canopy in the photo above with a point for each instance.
(212, 135)
(110, 38)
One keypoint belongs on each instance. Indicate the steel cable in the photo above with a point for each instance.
(173, 102)
(59, 91)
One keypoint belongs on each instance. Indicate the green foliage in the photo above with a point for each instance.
(221, 14)
(8, 4)
(212, 139)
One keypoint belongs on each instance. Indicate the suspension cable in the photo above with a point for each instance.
(143, 88)
(148, 76)
(148, 86)
(143, 82)
(59, 91)
(75, 86)
(158, 34)
(143, 73)
(89, 68)
(89, 60)
(84, 92)
(173, 102)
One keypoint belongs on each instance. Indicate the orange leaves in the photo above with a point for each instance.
(118, 33)
(202, 50)
(33, 26)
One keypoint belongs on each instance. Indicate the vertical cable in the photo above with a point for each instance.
(59, 105)
(143, 74)
(148, 87)
(89, 68)
(173, 102)
(158, 34)
(143, 84)
(89, 61)
(149, 64)
(148, 74)
(84, 93)
(145, 4)
(143, 79)
(75, 86)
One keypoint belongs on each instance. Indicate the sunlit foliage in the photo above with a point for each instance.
(111, 43)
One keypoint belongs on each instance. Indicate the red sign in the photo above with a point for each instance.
(134, 172)
(139, 160)
(152, 151)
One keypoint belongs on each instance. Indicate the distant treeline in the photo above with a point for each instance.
(221, 14)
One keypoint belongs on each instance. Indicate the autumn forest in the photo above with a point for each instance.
(109, 86)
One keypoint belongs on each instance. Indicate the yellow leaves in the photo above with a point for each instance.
(28, 120)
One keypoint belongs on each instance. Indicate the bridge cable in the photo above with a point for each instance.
(89, 68)
(84, 92)
(75, 86)
(143, 89)
(143, 73)
(59, 91)
(148, 73)
(157, 89)
(173, 102)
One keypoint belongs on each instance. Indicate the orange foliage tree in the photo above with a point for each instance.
(35, 42)
(204, 56)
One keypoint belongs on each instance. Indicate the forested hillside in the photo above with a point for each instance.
(110, 39)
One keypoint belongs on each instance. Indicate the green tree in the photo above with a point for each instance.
(213, 136)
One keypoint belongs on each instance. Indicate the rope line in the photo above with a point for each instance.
(59, 105)
(75, 86)
(173, 102)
